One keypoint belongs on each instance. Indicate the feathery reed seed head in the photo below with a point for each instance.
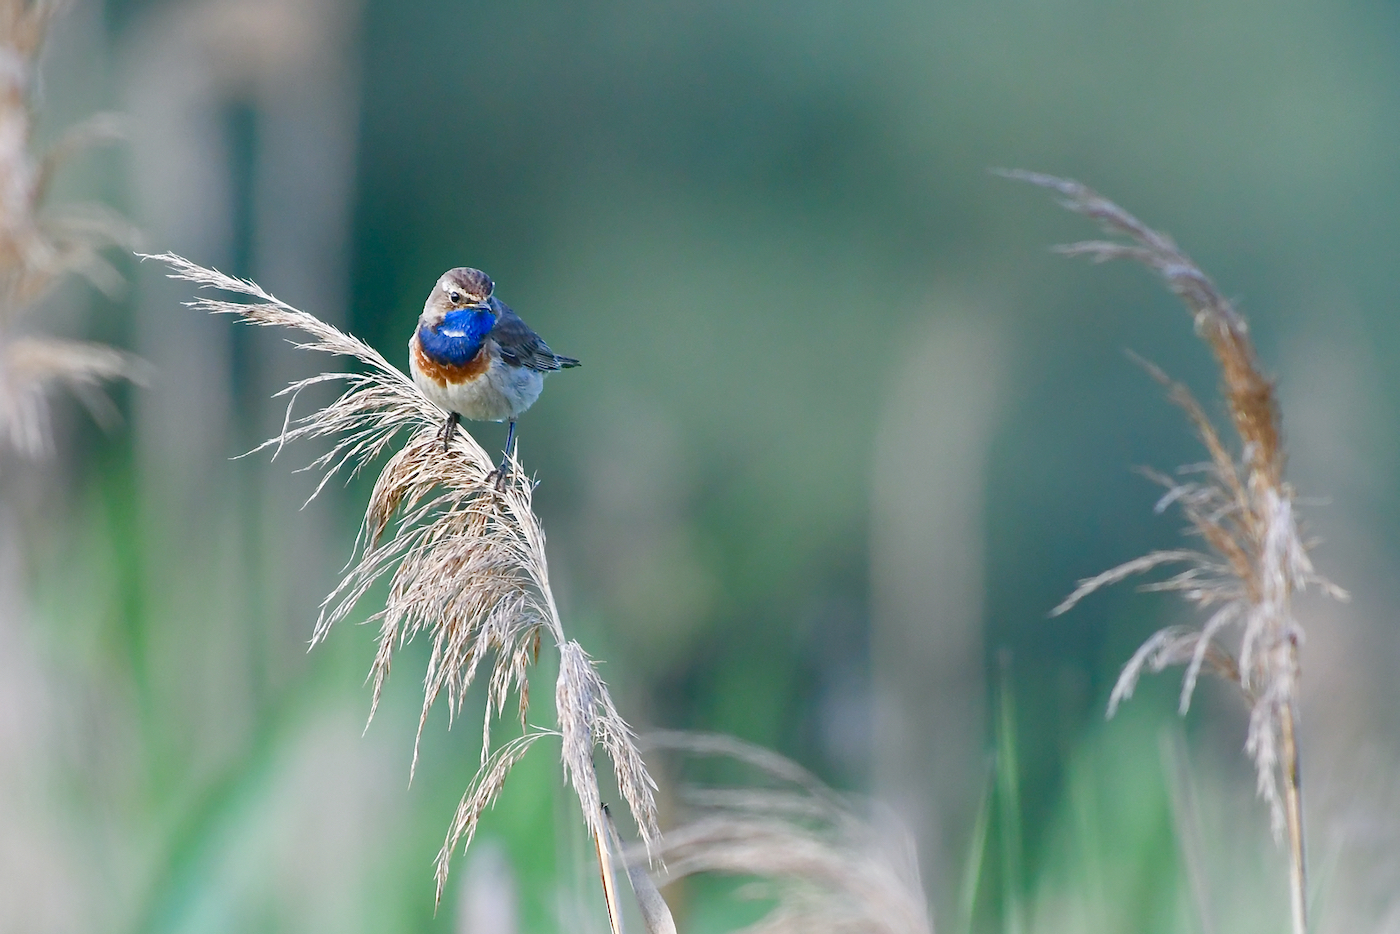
(465, 564)
(1237, 503)
(41, 243)
(832, 869)
(29, 366)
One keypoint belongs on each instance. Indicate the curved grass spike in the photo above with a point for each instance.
(465, 564)
(1254, 558)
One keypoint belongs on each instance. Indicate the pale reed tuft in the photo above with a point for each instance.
(465, 562)
(830, 868)
(1242, 508)
(40, 243)
(29, 366)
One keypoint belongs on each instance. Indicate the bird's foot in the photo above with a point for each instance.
(500, 476)
(449, 430)
(502, 472)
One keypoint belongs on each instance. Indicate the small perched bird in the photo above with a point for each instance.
(474, 357)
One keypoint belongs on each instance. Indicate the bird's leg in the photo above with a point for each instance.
(503, 471)
(449, 430)
(510, 437)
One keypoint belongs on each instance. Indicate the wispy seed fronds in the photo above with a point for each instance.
(831, 868)
(40, 243)
(588, 717)
(1123, 572)
(480, 796)
(465, 565)
(464, 558)
(269, 311)
(1250, 394)
(30, 366)
(1238, 503)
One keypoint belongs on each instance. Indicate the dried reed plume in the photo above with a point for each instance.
(1254, 559)
(39, 245)
(832, 869)
(465, 563)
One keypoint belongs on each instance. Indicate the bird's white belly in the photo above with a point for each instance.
(501, 393)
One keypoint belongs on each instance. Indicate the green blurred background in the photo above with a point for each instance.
(845, 431)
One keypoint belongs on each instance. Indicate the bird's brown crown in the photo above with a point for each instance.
(465, 286)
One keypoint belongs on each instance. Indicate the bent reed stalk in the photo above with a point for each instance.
(465, 563)
(1243, 509)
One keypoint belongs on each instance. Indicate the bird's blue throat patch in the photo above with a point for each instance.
(458, 338)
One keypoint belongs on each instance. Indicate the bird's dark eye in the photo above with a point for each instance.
(454, 297)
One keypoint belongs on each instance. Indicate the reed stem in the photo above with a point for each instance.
(1293, 814)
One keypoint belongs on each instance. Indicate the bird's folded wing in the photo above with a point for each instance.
(520, 346)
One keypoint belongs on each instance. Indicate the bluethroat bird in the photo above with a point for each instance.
(474, 357)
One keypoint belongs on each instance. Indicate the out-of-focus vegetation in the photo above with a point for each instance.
(844, 432)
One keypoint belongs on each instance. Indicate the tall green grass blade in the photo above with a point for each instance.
(1186, 816)
(1009, 806)
(976, 855)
